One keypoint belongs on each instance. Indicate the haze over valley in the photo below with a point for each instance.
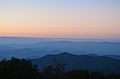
(22, 47)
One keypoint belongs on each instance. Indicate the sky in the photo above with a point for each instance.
(86, 19)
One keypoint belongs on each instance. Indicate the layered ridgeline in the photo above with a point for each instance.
(83, 62)
(37, 47)
(105, 57)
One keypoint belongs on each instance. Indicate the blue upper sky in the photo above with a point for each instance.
(61, 2)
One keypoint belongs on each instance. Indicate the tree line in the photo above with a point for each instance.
(15, 68)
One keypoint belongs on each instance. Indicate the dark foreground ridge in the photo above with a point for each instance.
(24, 69)
(85, 62)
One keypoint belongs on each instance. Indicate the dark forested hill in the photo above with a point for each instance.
(85, 62)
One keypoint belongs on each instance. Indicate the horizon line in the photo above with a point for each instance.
(59, 38)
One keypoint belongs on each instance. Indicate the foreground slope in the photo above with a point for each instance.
(85, 62)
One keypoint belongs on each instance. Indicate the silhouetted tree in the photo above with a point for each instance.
(77, 74)
(97, 75)
(17, 69)
(24, 69)
(54, 71)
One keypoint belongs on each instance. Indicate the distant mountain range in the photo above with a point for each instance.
(37, 47)
(94, 55)
(110, 56)
(114, 56)
(84, 62)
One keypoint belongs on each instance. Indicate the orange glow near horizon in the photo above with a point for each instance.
(60, 21)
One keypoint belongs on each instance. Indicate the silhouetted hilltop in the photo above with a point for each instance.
(85, 62)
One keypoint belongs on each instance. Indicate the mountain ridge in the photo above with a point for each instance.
(85, 62)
